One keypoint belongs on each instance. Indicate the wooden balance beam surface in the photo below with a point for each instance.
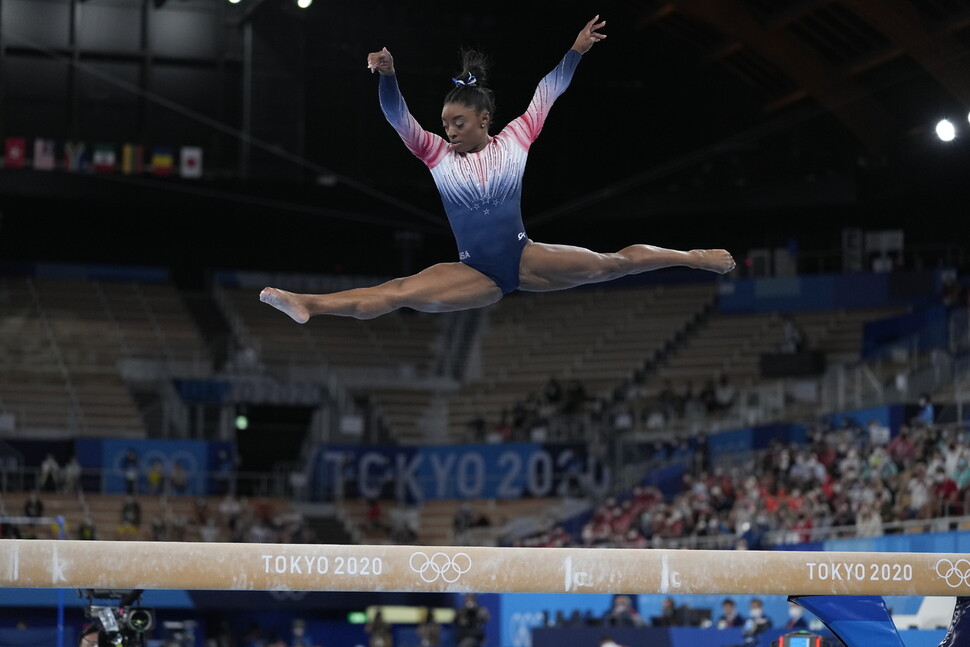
(301, 567)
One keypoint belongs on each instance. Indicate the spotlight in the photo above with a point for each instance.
(234, 1)
(945, 130)
(303, 4)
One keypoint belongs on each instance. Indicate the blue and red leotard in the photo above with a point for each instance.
(482, 191)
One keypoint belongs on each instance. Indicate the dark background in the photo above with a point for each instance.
(732, 123)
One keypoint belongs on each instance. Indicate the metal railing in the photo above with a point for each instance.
(276, 484)
(77, 420)
(792, 536)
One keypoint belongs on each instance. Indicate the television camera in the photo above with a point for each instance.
(122, 625)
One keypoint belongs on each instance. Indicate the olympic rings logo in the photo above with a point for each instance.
(955, 574)
(440, 565)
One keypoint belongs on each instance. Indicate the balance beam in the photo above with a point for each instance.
(299, 567)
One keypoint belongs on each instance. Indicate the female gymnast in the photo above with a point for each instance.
(479, 177)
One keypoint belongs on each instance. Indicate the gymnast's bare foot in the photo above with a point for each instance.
(286, 302)
(714, 260)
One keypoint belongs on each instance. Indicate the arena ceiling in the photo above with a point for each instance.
(697, 122)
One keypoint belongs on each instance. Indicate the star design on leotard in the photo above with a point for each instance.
(475, 206)
(486, 212)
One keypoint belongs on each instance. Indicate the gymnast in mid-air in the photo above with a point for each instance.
(479, 177)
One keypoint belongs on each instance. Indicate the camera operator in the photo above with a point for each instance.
(470, 620)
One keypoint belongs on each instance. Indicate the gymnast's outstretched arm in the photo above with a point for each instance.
(527, 126)
(546, 267)
(426, 146)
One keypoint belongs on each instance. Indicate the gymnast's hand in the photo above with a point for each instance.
(589, 36)
(381, 61)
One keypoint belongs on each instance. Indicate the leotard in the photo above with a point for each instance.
(482, 191)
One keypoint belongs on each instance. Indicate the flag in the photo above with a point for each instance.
(44, 158)
(14, 152)
(191, 162)
(103, 158)
(74, 155)
(132, 159)
(162, 161)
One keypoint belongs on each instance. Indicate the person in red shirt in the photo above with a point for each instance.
(803, 526)
(901, 449)
(946, 494)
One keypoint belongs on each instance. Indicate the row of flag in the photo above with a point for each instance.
(103, 158)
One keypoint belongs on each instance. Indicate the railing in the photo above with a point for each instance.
(22, 427)
(156, 328)
(93, 481)
(109, 313)
(10, 459)
(791, 536)
(175, 412)
(853, 386)
(77, 420)
(460, 340)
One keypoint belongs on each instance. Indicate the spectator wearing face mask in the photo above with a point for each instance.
(795, 619)
(757, 621)
(925, 413)
(729, 615)
(953, 452)
(946, 494)
(622, 613)
(869, 521)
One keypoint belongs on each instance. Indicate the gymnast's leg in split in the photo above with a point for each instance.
(444, 287)
(447, 287)
(546, 267)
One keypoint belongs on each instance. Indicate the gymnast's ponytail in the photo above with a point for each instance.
(471, 84)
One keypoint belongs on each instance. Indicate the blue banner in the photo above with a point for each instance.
(192, 457)
(416, 474)
(827, 292)
(927, 326)
(747, 439)
(188, 467)
(521, 613)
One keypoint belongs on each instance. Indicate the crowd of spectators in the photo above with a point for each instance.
(567, 411)
(175, 514)
(234, 519)
(846, 481)
(854, 476)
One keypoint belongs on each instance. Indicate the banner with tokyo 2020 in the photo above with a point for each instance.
(415, 474)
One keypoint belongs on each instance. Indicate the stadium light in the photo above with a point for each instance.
(945, 130)
(234, 1)
(303, 4)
